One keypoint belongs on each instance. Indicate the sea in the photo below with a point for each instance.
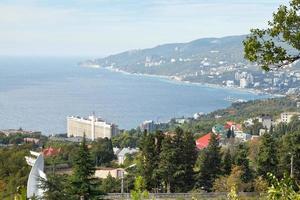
(38, 93)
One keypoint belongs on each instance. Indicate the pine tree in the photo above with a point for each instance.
(186, 157)
(267, 160)
(209, 164)
(167, 167)
(82, 183)
(148, 159)
(55, 187)
(241, 159)
(227, 163)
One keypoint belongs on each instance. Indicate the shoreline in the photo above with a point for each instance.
(178, 80)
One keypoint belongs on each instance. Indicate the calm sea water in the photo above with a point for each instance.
(39, 93)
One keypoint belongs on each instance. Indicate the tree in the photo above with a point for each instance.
(225, 183)
(102, 151)
(267, 160)
(282, 189)
(241, 159)
(290, 146)
(55, 187)
(187, 155)
(150, 148)
(110, 185)
(82, 183)
(139, 192)
(167, 167)
(278, 45)
(209, 163)
(227, 163)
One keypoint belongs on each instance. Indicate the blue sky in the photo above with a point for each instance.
(101, 27)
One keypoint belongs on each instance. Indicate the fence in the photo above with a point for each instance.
(183, 196)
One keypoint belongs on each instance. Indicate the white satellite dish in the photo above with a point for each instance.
(35, 175)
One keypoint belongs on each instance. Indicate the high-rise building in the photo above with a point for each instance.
(92, 127)
(243, 83)
(148, 126)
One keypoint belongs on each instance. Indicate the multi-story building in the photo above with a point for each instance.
(92, 127)
(243, 83)
(286, 117)
(148, 126)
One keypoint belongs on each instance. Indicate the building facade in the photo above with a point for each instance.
(92, 127)
(286, 117)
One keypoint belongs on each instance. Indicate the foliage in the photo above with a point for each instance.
(267, 158)
(233, 195)
(241, 159)
(55, 187)
(279, 44)
(227, 162)
(260, 184)
(282, 189)
(150, 149)
(102, 151)
(81, 181)
(290, 146)
(139, 192)
(209, 163)
(13, 169)
(226, 183)
(127, 139)
(110, 185)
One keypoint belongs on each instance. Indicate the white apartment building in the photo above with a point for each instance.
(286, 117)
(92, 127)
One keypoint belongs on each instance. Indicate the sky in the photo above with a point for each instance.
(97, 28)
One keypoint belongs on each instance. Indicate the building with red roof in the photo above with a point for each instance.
(203, 141)
(51, 151)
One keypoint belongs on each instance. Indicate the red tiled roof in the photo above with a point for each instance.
(203, 141)
(51, 151)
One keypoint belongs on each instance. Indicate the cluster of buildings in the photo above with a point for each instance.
(234, 130)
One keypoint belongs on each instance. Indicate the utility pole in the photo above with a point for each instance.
(292, 166)
(122, 182)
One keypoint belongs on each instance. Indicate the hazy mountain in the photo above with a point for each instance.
(179, 58)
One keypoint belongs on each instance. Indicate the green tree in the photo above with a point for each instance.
(55, 187)
(267, 158)
(241, 159)
(102, 151)
(227, 162)
(110, 185)
(187, 155)
(148, 159)
(278, 45)
(290, 146)
(82, 184)
(139, 192)
(209, 163)
(282, 189)
(167, 167)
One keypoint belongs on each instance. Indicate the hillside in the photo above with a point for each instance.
(217, 61)
(178, 58)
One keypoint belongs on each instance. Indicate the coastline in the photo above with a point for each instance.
(179, 80)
